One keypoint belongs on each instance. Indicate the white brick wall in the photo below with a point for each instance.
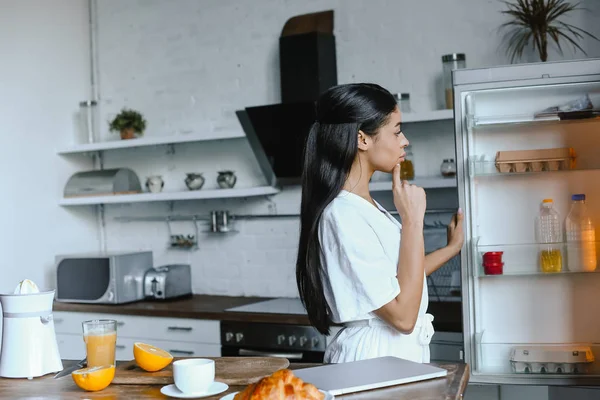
(188, 65)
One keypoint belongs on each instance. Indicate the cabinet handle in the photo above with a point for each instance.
(186, 352)
(120, 323)
(120, 346)
(58, 320)
(180, 328)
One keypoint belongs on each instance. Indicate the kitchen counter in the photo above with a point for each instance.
(452, 387)
(447, 315)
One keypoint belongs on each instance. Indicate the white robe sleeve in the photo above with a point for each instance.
(361, 276)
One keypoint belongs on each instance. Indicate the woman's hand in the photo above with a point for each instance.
(456, 236)
(409, 199)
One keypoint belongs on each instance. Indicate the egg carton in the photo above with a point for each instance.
(535, 160)
(559, 359)
(549, 368)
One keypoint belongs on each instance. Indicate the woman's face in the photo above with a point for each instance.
(387, 147)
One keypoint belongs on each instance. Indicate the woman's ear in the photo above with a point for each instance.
(363, 141)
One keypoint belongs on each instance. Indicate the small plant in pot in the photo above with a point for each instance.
(129, 123)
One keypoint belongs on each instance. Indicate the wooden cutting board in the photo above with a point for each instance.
(230, 370)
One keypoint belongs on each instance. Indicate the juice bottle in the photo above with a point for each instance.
(581, 237)
(550, 238)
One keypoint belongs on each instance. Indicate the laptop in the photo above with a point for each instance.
(368, 374)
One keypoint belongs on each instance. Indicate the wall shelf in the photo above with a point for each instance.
(426, 182)
(435, 115)
(144, 142)
(170, 196)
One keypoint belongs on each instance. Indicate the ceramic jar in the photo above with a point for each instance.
(155, 184)
(194, 181)
(226, 179)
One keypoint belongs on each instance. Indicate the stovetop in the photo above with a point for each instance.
(274, 306)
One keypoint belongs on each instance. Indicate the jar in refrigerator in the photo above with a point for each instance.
(451, 62)
(550, 238)
(407, 169)
(581, 237)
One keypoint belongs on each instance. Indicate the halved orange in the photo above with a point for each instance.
(151, 358)
(94, 378)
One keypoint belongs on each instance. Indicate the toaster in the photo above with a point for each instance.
(168, 281)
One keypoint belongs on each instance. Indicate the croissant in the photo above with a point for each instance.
(281, 385)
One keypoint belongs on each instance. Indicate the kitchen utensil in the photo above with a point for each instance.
(106, 278)
(194, 181)
(69, 370)
(155, 184)
(168, 281)
(226, 179)
(214, 389)
(220, 221)
(194, 375)
(103, 182)
(100, 337)
(448, 168)
(29, 346)
(451, 62)
(492, 257)
(230, 370)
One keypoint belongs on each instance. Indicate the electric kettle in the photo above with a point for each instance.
(29, 348)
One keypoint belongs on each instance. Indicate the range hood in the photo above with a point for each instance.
(277, 132)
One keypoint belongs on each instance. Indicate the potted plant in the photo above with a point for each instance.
(536, 22)
(129, 123)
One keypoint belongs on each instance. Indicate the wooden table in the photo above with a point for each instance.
(452, 387)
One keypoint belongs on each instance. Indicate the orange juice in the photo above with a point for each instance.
(100, 348)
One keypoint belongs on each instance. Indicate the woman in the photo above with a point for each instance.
(358, 266)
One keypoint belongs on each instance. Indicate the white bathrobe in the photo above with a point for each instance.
(360, 249)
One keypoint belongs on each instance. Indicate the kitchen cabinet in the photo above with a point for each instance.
(183, 337)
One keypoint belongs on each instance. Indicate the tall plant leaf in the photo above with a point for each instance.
(536, 23)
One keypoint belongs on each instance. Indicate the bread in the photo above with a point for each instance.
(281, 385)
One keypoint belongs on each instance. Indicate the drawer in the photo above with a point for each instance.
(177, 349)
(133, 326)
(70, 322)
(70, 347)
(182, 349)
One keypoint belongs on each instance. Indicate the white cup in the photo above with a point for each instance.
(194, 375)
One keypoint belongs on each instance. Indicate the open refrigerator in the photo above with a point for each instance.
(525, 326)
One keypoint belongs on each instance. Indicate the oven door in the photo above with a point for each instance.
(292, 356)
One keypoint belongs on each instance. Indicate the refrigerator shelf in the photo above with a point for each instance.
(482, 122)
(523, 260)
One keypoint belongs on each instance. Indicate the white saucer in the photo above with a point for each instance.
(230, 396)
(172, 391)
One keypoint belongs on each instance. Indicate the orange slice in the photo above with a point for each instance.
(151, 358)
(94, 378)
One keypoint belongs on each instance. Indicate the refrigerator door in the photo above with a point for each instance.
(523, 325)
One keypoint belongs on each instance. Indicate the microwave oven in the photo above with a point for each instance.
(103, 278)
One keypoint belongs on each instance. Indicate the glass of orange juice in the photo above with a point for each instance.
(100, 337)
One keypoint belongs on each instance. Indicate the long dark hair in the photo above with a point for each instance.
(330, 149)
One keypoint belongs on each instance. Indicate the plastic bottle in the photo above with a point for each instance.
(550, 238)
(581, 237)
